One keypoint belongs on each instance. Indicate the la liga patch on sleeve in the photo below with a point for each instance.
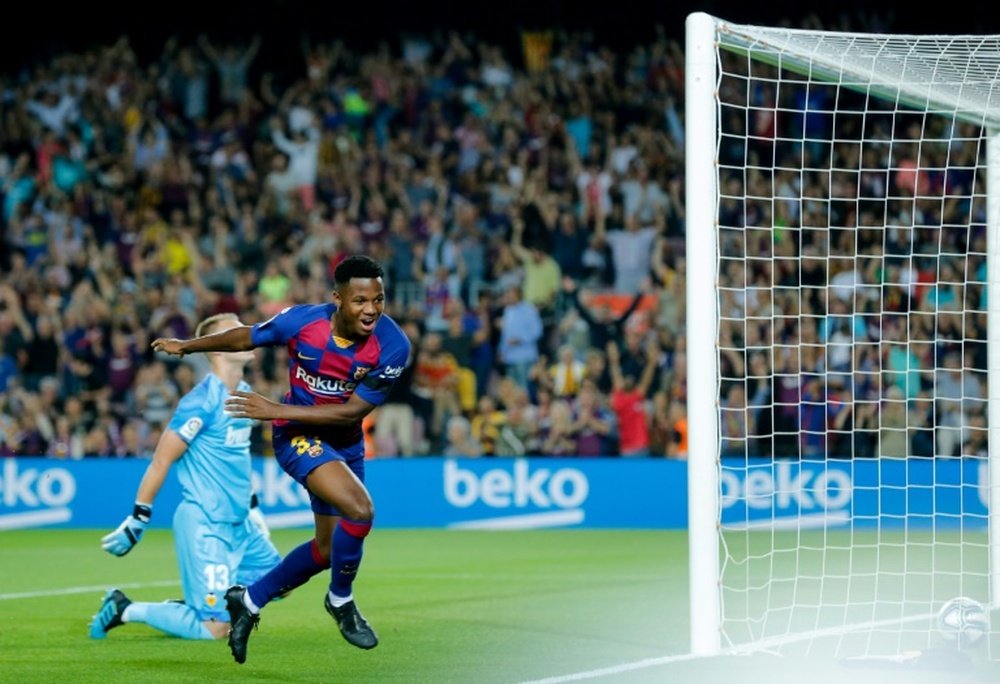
(190, 429)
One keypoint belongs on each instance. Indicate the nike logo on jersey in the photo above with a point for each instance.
(306, 358)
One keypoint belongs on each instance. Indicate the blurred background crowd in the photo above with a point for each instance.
(514, 209)
(528, 210)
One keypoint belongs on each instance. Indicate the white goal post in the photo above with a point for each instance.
(843, 335)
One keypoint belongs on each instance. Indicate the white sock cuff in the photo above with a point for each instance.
(251, 606)
(338, 601)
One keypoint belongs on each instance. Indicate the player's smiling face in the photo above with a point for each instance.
(359, 306)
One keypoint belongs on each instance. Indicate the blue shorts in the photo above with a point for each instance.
(300, 454)
(214, 556)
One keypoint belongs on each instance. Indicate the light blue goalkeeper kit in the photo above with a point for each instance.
(217, 545)
(214, 472)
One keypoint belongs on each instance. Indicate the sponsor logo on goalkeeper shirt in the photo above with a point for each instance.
(238, 436)
(34, 496)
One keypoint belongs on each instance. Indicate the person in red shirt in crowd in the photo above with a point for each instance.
(628, 400)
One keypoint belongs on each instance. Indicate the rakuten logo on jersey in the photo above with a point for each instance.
(324, 386)
(44, 493)
(558, 494)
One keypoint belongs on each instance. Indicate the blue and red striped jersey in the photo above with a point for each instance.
(324, 369)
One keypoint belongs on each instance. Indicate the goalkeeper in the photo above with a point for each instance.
(221, 538)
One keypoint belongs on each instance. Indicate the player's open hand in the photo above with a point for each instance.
(127, 535)
(251, 405)
(168, 345)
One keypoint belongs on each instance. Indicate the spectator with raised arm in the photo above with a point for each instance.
(602, 324)
(301, 146)
(232, 66)
(541, 272)
(628, 400)
(631, 250)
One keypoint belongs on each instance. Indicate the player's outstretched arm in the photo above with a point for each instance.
(252, 405)
(124, 538)
(231, 340)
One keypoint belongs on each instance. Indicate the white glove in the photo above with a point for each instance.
(128, 534)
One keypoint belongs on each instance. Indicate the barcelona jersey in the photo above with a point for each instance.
(325, 369)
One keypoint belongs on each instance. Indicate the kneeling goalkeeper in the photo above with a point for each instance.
(220, 538)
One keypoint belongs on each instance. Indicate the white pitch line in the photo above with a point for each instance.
(528, 521)
(616, 669)
(451, 577)
(86, 590)
(756, 647)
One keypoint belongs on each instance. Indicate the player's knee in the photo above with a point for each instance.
(218, 630)
(356, 528)
(360, 511)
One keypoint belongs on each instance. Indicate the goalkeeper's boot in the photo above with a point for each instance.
(110, 614)
(352, 625)
(241, 622)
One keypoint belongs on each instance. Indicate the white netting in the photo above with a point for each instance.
(852, 335)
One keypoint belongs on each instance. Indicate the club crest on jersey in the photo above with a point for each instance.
(211, 600)
(360, 372)
(314, 450)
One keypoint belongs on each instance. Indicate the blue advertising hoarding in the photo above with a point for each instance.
(501, 493)
(888, 492)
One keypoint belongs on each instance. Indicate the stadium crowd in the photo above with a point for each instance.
(530, 219)
(140, 198)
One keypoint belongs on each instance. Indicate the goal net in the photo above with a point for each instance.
(840, 225)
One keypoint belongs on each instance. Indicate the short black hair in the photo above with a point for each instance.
(357, 266)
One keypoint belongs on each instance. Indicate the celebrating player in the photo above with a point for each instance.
(218, 539)
(344, 357)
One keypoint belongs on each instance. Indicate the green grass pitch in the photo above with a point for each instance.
(449, 606)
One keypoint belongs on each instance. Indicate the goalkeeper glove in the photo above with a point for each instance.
(129, 532)
(257, 518)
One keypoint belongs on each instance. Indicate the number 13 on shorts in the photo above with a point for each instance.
(217, 577)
